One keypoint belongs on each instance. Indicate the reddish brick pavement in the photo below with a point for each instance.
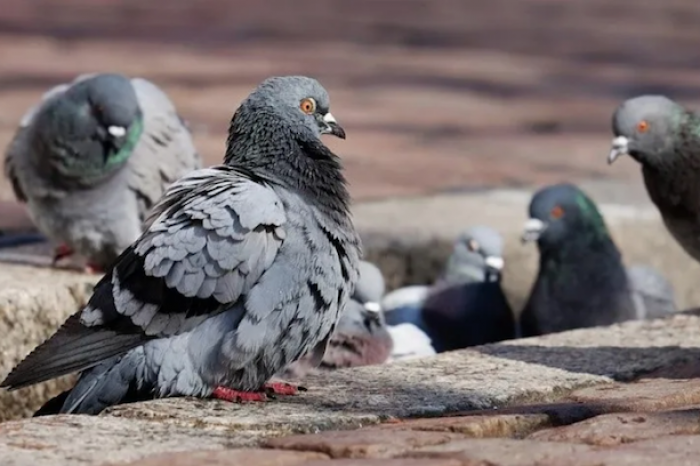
(653, 421)
(434, 95)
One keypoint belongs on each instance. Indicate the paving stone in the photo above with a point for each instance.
(245, 456)
(502, 452)
(34, 302)
(390, 462)
(615, 429)
(88, 440)
(557, 414)
(365, 443)
(680, 450)
(494, 425)
(642, 396)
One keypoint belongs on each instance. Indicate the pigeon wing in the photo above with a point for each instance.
(210, 239)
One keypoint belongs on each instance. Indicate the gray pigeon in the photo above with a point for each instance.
(243, 269)
(361, 337)
(665, 139)
(582, 281)
(92, 158)
(370, 286)
(466, 306)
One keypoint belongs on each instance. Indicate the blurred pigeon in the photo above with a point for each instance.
(409, 342)
(404, 305)
(370, 286)
(582, 281)
(243, 268)
(361, 337)
(466, 306)
(665, 139)
(93, 157)
(652, 294)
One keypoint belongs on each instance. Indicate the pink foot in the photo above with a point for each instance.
(237, 396)
(283, 388)
(62, 251)
(92, 268)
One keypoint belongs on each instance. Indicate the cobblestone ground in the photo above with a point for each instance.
(435, 96)
(653, 421)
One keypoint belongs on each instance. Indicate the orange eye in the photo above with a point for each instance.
(556, 212)
(308, 105)
(642, 126)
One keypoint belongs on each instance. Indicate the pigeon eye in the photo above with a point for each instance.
(556, 212)
(308, 105)
(473, 245)
(643, 126)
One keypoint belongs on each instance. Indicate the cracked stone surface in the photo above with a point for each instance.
(551, 394)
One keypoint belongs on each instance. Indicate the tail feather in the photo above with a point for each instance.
(53, 406)
(110, 383)
(73, 348)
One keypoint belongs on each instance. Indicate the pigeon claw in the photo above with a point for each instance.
(283, 388)
(62, 251)
(237, 396)
(93, 269)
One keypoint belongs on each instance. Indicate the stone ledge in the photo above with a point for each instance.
(34, 302)
(409, 248)
(536, 370)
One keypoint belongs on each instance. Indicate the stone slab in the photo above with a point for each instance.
(33, 303)
(363, 443)
(239, 457)
(535, 370)
(621, 428)
(503, 452)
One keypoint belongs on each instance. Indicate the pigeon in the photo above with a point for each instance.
(92, 158)
(242, 269)
(582, 281)
(466, 306)
(361, 337)
(664, 138)
(370, 286)
(409, 342)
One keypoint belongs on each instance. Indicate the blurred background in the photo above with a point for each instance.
(436, 95)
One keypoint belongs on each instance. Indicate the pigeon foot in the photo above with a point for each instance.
(93, 269)
(238, 396)
(283, 388)
(62, 251)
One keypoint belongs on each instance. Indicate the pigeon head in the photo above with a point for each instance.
(477, 256)
(562, 214)
(297, 105)
(370, 286)
(276, 132)
(96, 122)
(645, 128)
(361, 338)
(356, 320)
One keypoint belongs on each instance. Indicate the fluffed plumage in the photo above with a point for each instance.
(582, 281)
(92, 158)
(243, 268)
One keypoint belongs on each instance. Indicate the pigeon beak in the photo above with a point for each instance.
(620, 146)
(330, 126)
(494, 262)
(533, 230)
(116, 131)
(371, 306)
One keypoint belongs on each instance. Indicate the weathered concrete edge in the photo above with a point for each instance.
(535, 370)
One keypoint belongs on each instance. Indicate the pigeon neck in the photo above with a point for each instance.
(594, 251)
(306, 167)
